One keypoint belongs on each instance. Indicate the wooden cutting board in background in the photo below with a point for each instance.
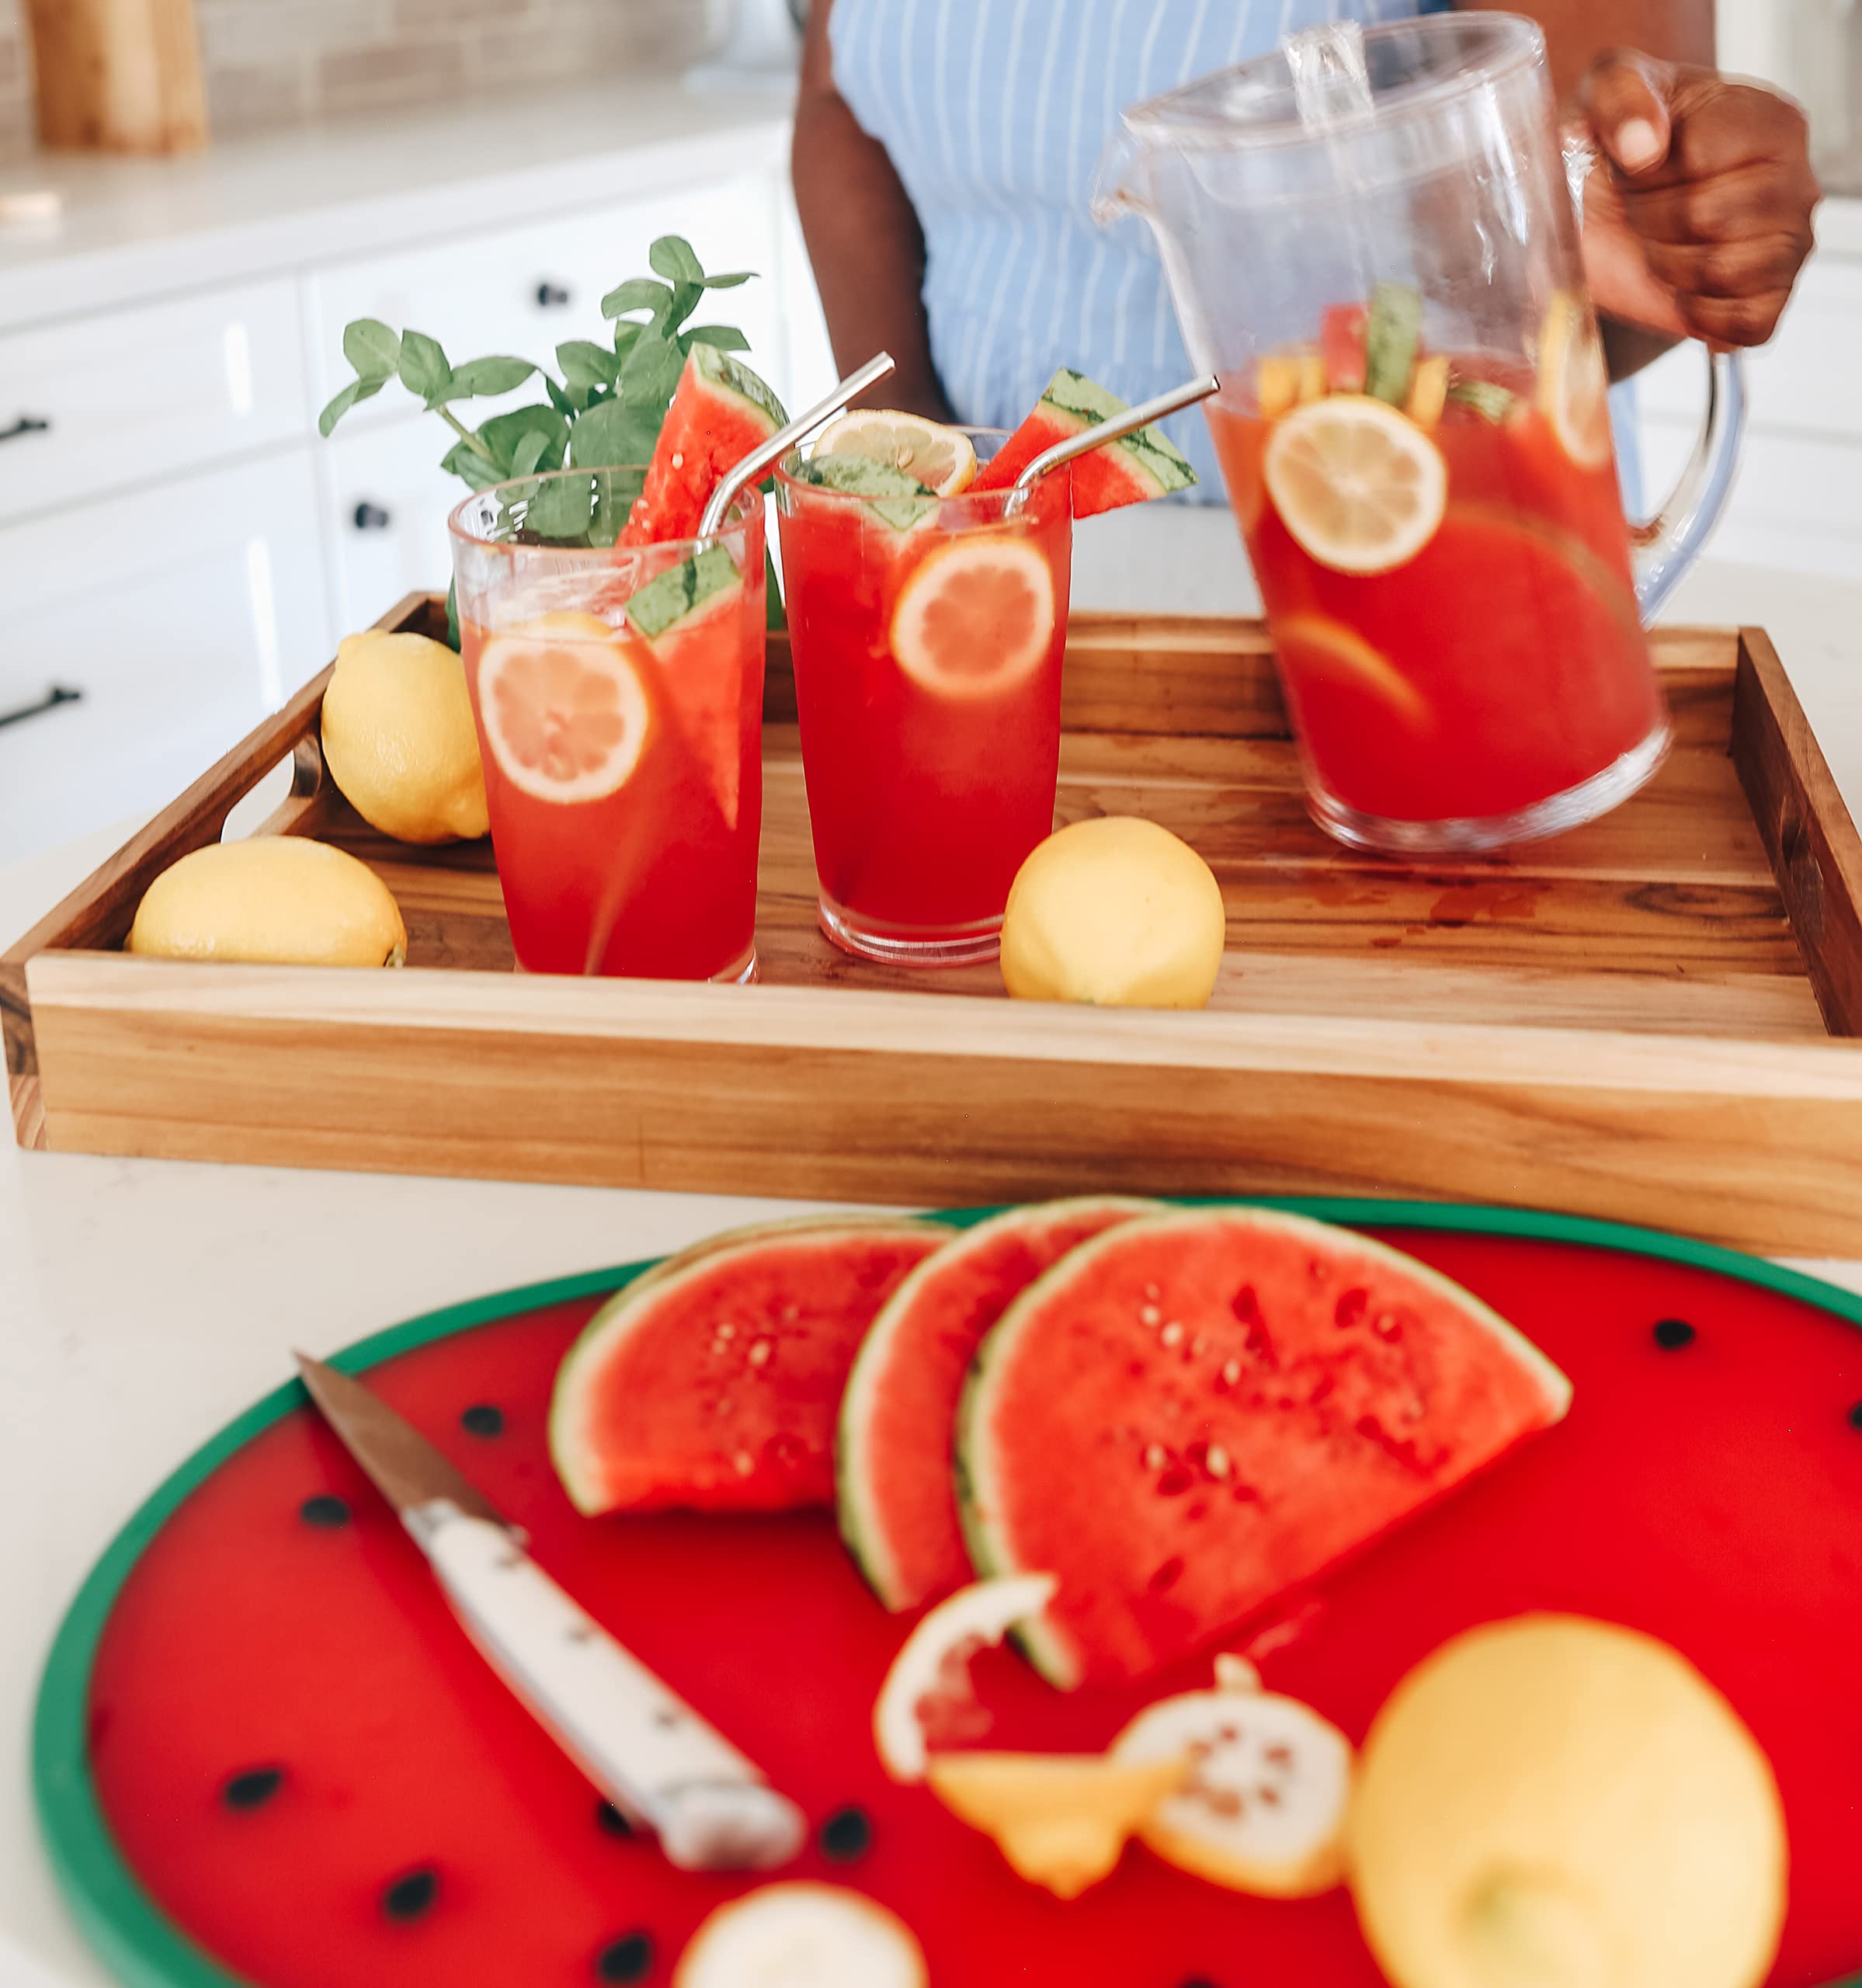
(117, 75)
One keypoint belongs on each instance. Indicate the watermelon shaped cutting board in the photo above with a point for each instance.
(266, 1754)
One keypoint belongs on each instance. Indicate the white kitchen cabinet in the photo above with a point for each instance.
(385, 500)
(181, 619)
(133, 397)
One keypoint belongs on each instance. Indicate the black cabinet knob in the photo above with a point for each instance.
(27, 424)
(551, 296)
(59, 694)
(370, 517)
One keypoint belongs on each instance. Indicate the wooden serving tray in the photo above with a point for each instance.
(1652, 1019)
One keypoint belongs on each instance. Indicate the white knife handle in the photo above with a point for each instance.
(645, 1749)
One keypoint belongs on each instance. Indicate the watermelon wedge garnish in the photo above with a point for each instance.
(1127, 472)
(712, 1383)
(690, 617)
(1191, 1414)
(719, 413)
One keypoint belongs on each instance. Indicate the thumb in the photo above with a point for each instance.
(1625, 96)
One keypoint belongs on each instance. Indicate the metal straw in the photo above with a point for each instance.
(754, 466)
(1102, 432)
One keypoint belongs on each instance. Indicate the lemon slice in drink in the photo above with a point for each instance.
(1573, 382)
(941, 458)
(1362, 489)
(564, 708)
(976, 616)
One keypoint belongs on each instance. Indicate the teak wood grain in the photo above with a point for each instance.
(1646, 1019)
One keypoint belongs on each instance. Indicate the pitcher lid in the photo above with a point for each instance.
(1413, 67)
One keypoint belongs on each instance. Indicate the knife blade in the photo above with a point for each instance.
(642, 1745)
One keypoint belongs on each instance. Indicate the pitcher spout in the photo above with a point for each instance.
(1116, 190)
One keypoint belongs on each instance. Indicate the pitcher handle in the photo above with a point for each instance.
(1663, 549)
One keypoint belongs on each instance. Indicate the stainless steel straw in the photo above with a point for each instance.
(1102, 432)
(754, 466)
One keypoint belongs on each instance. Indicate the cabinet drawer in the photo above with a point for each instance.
(180, 622)
(523, 290)
(1806, 380)
(122, 399)
(385, 501)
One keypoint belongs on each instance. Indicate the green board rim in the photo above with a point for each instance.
(126, 1928)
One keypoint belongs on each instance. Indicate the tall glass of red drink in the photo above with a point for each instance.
(927, 636)
(618, 693)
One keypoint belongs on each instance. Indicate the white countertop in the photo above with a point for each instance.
(131, 229)
(143, 1303)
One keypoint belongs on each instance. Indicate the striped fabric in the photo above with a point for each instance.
(995, 112)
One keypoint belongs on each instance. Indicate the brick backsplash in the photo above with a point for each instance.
(271, 62)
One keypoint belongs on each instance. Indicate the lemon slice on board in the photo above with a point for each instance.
(975, 616)
(564, 708)
(1573, 382)
(801, 1935)
(940, 458)
(1362, 489)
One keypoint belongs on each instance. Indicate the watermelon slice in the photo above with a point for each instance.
(712, 1385)
(720, 412)
(690, 617)
(892, 1455)
(1127, 472)
(1192, 1414)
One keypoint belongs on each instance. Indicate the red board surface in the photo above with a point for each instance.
(1708, 1492)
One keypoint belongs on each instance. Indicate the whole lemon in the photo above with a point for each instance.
(399, 741)
(281, 900)
(1551, 1802)
(1116, 912)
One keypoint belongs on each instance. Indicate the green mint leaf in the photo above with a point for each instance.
(671, 256)
(723, 337)
(423, 368)
(473, 468)
(488, 376)
(357, 390)
(562, 402)
(529, 452)
(452, 615)
(614, 495)
(615, 435)
(650, 372)
(686, 297)
(561, 508)
(372, 349)
(637, 293)
(503, 436)
(626, 334)
(730, 281)
(584, 364)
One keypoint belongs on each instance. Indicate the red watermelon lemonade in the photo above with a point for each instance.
(1440, 545)
(927, 634)
(618, 693)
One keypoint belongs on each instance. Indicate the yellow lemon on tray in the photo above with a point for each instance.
(1116, 912)
(399, 741)
(1551, 1802)
(276, 900)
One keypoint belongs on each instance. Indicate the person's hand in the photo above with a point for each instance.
(1698, 216)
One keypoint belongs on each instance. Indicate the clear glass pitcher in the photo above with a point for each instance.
(1371, 237)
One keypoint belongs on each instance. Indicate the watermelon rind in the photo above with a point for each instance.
(601, 1339)
(855, 1497)
(730, 375)
(1150, 453)
(1149, 463)
(892, 495)
(978, 1456)
(682, 591)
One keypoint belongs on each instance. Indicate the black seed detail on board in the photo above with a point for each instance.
(325, 1511)
(251, 1787)
(481, 1419)
(409, 1897)
(846, 1835)
(1673, 1334)
(610, 1821)
(628, 1959)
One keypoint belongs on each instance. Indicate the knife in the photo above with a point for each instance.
(648, 1751)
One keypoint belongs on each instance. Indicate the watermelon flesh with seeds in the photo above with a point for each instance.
(720, 412)
(898, 1506)
(712, 1384)
(1191, 1415)
(1127, 472)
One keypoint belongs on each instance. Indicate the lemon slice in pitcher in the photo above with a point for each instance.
(941, 458)
(1573, 382)
(1361, 488)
